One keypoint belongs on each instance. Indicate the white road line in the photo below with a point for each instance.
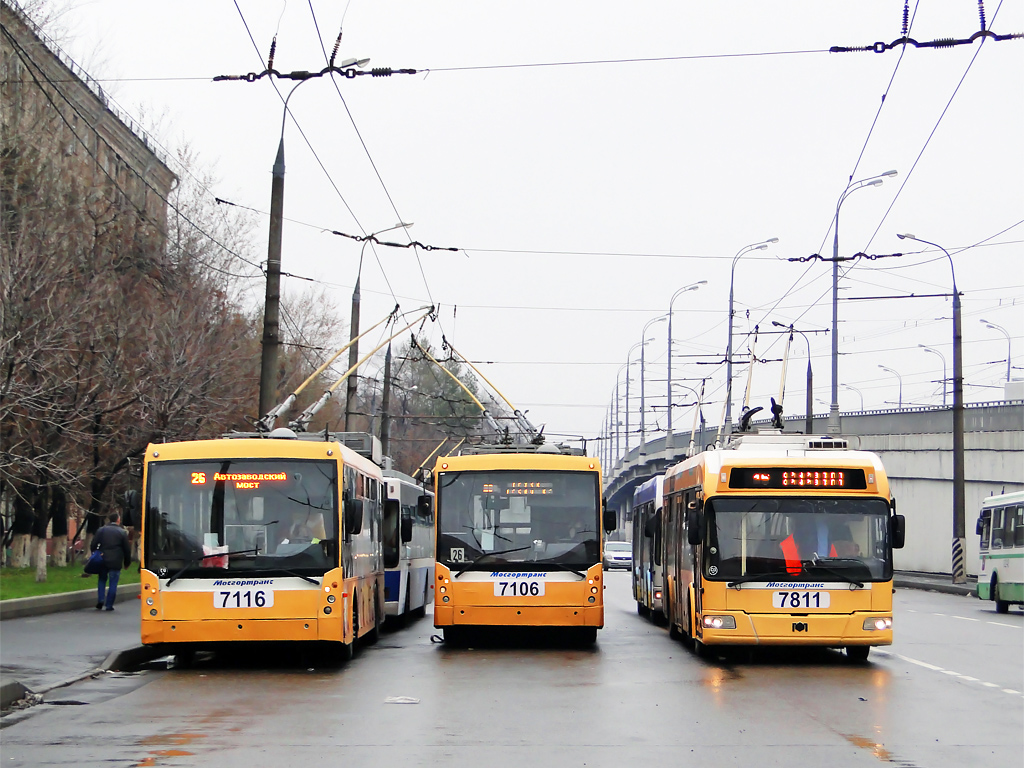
(1000, 624)
(949, 672)
(938, 614)
(964, 618)
(920, 663)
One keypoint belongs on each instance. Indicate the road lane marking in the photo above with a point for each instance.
(965, 618)
(1000, 624)
(949, 672)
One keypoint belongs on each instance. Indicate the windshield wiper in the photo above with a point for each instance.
(564, 567)
(490, 554)
(816, 563)
(200, 558)
(310, 579)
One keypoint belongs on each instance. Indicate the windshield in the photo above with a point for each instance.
(798, 538)
(618, 546)
(208, 517)
(525, 516)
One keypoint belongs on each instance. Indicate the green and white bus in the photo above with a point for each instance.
(1001, 528)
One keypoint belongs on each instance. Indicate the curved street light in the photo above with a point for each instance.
(759, 246)
(1009, 347)
(959, 486)
(900, 378)
(871, 181)
(854, 389)
(671, 301)
(629, 361)
(943, 358)
(643, 347)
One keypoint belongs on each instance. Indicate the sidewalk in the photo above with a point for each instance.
(49, 646)
(935, 582)
(52, 641)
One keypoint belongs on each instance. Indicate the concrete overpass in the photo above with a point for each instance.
(916, 447)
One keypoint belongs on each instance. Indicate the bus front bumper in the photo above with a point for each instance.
(824, 630)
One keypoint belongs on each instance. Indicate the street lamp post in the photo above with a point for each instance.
(675, 295)
(833, 411)
(618, 422)
(629, 362)
(943, 358)
(643, 347)
(1009, 348)
(353, 351)
(854, 389)
(900, 379)
(760, 246)
(959, 485)
(809, 420)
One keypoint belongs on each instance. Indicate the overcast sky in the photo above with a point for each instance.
(591, 158)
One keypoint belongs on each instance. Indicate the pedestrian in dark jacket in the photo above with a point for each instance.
(112, 542)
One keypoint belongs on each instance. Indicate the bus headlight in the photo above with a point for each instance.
(149, 601)
(878, 624)
(720, 622)
(330, 598)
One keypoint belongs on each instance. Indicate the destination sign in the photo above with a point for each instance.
(797, 479)
(520, 489)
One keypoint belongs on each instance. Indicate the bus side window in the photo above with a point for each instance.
(1010, 526)
(997, 528)
(1018, 537)
(984, 526)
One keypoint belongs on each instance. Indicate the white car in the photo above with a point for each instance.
(618, 554)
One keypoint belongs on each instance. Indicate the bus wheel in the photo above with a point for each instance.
(456, 637)
(858, 653)
(641, 609)
(688, 635)
(658, 617)
(1001, 606)
(702, 651)
(670, 619)
(374, 634)
(585, 635)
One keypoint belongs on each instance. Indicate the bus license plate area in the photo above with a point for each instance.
(518, 588)
(243, 598)
(801, 600)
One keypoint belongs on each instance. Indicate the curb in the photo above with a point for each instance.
(127, 659)
(907, 581)
(12, 692)
(19, 607)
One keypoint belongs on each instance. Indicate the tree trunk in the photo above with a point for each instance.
(39, 555)
(60, 551)
(19, 550)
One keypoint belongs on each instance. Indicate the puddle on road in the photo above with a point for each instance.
(878, 750)
(167, 739)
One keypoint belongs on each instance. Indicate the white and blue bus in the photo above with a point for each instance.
(1001, 531)
(408, 547)
(647, 546)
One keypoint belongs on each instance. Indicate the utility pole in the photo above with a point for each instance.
(272, 305)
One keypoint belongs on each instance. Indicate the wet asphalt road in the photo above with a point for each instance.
(947, 693)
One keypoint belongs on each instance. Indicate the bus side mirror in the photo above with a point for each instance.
(424, 505)
(898, 525)
(694, 523)
(609, 520)
(353, 516)
(406, 530)
(977, 527)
